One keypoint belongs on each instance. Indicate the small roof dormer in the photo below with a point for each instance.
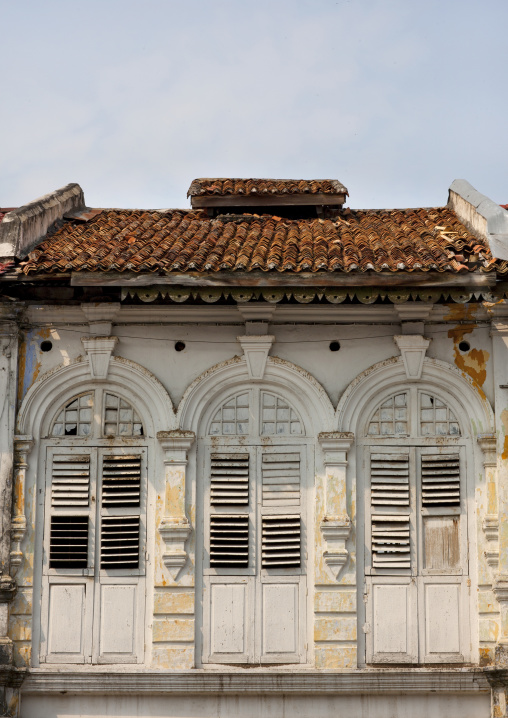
(297, 199)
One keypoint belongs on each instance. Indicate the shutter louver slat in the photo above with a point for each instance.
(68, 543)
(440, 480)
(389, 479)
(390, 542)
(390, 538)
(120, 542)
(121, 481)
(229, 481)
(229, 541)
(280, 541)
(281, 479)
(70, 481)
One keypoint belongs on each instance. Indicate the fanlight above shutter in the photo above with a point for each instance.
(391, 417)
(229, 481)
(232, 418)
(120, 418)
(278, 417)
(75, 419)
(436, 418)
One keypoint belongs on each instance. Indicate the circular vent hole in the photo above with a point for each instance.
(464, 346)
(334, 346)
(46, 346)
(179, 346)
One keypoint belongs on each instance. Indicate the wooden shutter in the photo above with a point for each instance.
(281, 542)
(229, 541)
(120, 542)
(229, 479)
(121, 481)
(70, 481)
(281, 479)
(389, 495)
(68, 543)
(440, 480)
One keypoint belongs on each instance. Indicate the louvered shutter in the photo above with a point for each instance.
(229, 541)
(440, 480)
(70, 506)
(120, 505)
(390, 506)
(229, 479)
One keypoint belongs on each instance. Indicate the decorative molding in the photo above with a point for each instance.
(500, 589)
(99, 350)
(255, 349)
(175, 527)
(240, 682)
(8, 589)
(491, 527)
(22, 447)
(412, 348)
(336, 534)
(100, 317)
(488, 444)
(335, 445)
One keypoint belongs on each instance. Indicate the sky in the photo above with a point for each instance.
(134, 99)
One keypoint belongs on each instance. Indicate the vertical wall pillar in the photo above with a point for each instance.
(500, 360)
(22, 447)
(174, 593)
(336, 524)
(8, 376)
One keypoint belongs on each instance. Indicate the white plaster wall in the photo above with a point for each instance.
(248, 706)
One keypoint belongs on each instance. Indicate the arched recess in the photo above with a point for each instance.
(435, 598)
(382, 379)
(113, 509)
(253, 489)
(125, 376)
(305, 392)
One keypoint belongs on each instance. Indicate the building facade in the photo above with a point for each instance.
(254, 456)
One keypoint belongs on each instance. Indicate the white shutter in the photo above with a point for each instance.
(440, 480)
(389, 495)
(70, 480)
(229, 479)
(121, 481)
(281, 541)
(229, 541)
(281, 479)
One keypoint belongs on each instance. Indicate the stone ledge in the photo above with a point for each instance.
(242, 682)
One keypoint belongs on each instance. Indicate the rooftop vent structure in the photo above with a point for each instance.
(295, 199)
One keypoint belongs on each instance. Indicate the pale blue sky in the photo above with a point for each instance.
(131, 99)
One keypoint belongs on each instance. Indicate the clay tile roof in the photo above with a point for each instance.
(188, 241)
(222, 186)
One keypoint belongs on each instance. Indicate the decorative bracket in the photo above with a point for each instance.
(255, 349)
(22, 447)
(100, 317)
(412, 348)
(336, 525)
(175, 527)
(99, 350)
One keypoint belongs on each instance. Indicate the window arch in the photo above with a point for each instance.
(94, 531)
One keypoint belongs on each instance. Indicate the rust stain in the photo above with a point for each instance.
(504, 421)
(474, 362)
(486, 657)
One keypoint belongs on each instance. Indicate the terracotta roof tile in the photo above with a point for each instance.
(220, 186)
(188, 241)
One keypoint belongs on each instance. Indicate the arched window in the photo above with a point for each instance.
(254, 558)
(416, 562)
(94, 532)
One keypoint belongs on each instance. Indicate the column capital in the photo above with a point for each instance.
(23, 444)
(488, 445)
(335, 445)
(176, 440)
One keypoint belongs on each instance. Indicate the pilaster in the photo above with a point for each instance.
(336, 524)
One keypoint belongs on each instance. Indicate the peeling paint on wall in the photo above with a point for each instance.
(29, 362)
(473, 362)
